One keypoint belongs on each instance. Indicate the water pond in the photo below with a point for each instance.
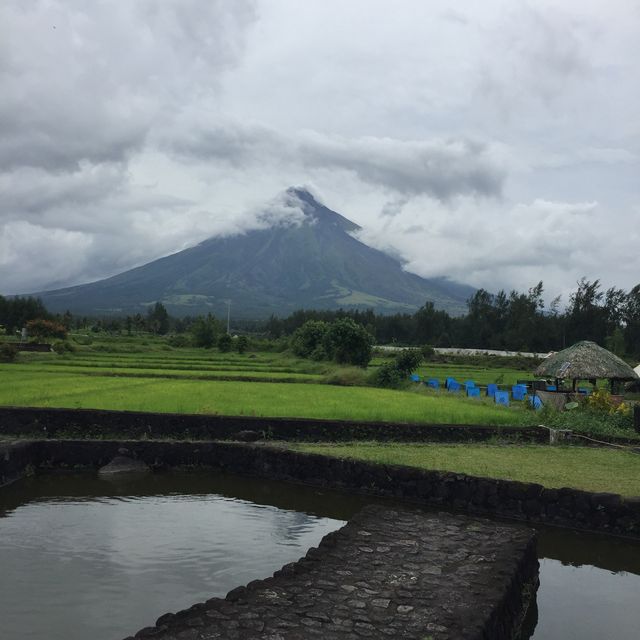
(86, 557)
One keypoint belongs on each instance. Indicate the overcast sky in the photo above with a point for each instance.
(497, 143)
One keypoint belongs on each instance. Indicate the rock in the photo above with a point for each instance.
(124, 464)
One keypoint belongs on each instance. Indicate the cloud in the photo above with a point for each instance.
(442, 168)
(497, 144)
(87, 84)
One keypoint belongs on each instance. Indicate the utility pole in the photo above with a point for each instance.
(228, 315)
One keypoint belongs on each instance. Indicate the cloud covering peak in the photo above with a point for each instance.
(499, 145)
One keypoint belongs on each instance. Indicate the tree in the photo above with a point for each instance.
(225, 343)
(393, 373)
(42, 329)
(205, 331)
(347, 342)
(242, 344)
(631, 315)
(308, 338)
(158, 319)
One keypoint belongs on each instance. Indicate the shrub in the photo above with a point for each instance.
(346, 377)
(225, 342)
(307, 338)
(41, 329)
(8, 352)
(204, 332)
(348, 342)
(428, 351)
(396, 371)
(408, 360)
(62, 347)
(387, 375)
(179, 341)
(242, 344)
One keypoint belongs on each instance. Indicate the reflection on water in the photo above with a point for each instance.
(82, 556)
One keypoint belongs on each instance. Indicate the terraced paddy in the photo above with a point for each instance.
(145, 373)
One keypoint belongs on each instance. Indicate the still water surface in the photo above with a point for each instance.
(87, 557)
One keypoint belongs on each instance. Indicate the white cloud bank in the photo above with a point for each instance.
(498, 144)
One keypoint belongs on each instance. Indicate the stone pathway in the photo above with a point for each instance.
(386, 574)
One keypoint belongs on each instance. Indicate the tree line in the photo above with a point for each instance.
(511, 321)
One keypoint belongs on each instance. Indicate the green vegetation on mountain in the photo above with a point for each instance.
(309, 262)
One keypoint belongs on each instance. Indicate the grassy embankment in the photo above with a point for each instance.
(599, 470)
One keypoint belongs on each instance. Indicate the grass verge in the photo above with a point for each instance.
(590, 469)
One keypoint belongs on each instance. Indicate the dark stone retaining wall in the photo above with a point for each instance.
(89, 423)
(599, 512)
(15, 459)
(386, 574)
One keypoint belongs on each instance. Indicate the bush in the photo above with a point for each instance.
(8, 352)
(225, 342)
(204, 332)
(179, 341)
(42, 329)
(83, 340)
(395, 372)
(348, 342)
(63, 347)
(408, 360)
(346, 377)
(242, 344)
(307, 338)
(387, 375)
(428, 351)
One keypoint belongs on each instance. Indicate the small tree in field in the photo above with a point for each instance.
(348, 342)
(42, 329)
(225, 342)
(309, 338)
(242, 344)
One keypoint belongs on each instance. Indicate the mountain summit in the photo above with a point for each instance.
(301, 255)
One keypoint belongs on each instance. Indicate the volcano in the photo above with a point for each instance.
(307, 258)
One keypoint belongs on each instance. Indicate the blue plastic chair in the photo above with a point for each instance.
(453, 386)
(433, 383)
(519, 391)
(584, 390)
(502, 397)
(415, 377)
(491, 389)
(473, 392)
(535, 402)
(448, 381)
(552, 387)
(469, 384)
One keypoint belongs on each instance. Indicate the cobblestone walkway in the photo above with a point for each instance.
(386, 574)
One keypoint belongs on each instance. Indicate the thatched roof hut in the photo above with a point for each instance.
(585, 361)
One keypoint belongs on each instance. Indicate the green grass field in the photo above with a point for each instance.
(35, 387)
(146, 373)
(581, 468)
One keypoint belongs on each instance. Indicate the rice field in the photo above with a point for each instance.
(36, 387)
(146, 374)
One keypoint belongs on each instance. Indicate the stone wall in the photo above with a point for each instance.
(15, 459)
(88, 423)
(599, 512)
(386, 574)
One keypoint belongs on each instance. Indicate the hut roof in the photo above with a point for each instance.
(585, 360)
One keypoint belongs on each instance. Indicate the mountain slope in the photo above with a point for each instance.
(310, 261)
